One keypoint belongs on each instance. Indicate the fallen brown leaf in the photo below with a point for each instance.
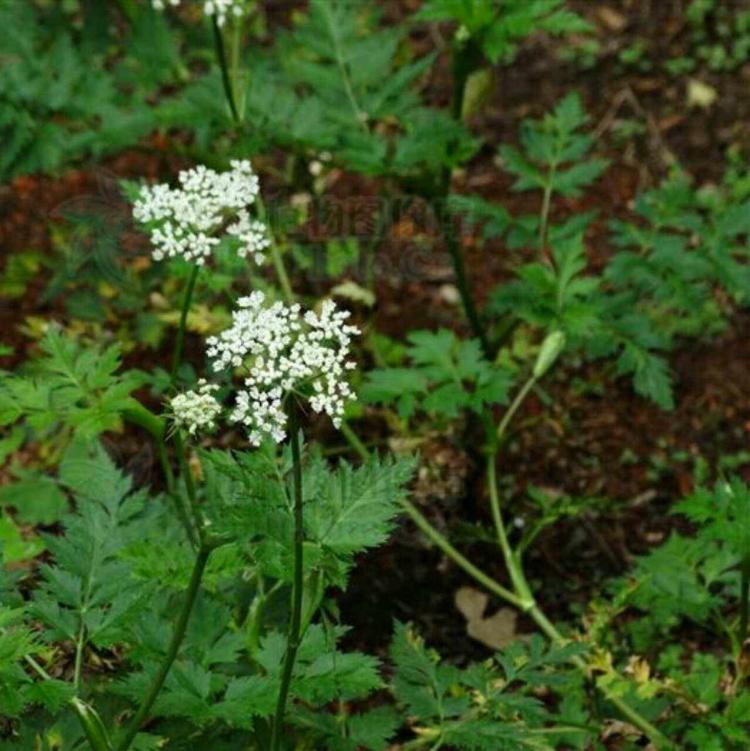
(496, 631)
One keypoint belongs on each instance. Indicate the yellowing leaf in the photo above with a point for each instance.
(350, 290)
(700, 94)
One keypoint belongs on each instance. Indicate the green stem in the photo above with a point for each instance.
(276, 257)
(523, 600)
(187, 299)
(221, 55)
(281, 273)
(354, 442)
(467, 297)
(197, 517)
(235, 79)
(522, 588)
(464, 63)
(37, 668)
(178, 635)
(744, 601)
(128, 9)
(634, 717)
(329, 19)
(140, 415)
(442, 543)
(297, 582)
(81, 636)
(78, 664)
(544, 218)
(166, 467)
(511, 558)
(278, 261)
(173, 494)
(514, 407)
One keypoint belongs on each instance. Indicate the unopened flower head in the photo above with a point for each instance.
(190, 220)
(220, 9)
(284, 349)
(196, 411)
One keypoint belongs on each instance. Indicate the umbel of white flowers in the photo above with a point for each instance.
(197, 411)
(219, 8)
(191, 220)
(279, 349)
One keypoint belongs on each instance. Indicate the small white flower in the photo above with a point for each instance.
(221, 9)
(252, 234)
(196, 411)
(283, 349)
(187, 221)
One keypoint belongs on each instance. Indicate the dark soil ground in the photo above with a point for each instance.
(605, 442)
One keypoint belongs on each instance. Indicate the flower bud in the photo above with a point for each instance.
(93, 727)
(550, 350)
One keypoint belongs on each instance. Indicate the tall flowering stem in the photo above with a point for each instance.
(178, 635)
(464, 62)
(179, 344)
(221, 56)
(229, 81)
(293, 638)
(465, 292)
(284, 353)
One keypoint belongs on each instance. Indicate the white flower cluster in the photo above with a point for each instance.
(285, 349)
(187, 219)
(252, 235)
(219, 8)
(196, 410)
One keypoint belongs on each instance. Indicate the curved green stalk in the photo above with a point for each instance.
(524, 600)
(442, 543)
(295, 622)
(511, 558)
(178, 635)
(523, 590)
(514, 407)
